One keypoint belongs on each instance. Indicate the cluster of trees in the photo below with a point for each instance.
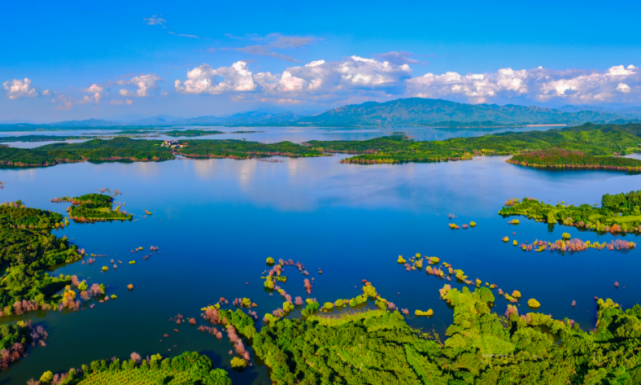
(189, 367)
(560, 158)
(27, 251)
(240, 149)
(599, 142)
(618, 213)
(96, 207)
(482, 347)
(14, 339)
(95, 150)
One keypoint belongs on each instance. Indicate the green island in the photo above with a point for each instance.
(600, 143)
(240, 149)
(187, 368)
(40, 138)
(618, 213)
(27, 251)
(96, 150)
(96, 208)
(588, 146)
(379, 347)
(188, 133)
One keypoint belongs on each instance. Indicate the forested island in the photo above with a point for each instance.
(187, 368)
(40, 138)
(188, 133)
(96, 208)
(482, 347)
(27, 251)
(619, 213)
(588, 146)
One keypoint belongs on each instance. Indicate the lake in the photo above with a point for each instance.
(217, 220)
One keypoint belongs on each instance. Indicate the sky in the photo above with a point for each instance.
(124, 60)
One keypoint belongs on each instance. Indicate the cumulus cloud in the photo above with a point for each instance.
(539, 84)
(313, 80)
(154, 20)
(144, 85)
(46, 93)
(17, 89)
(96, 90)
(206, 80)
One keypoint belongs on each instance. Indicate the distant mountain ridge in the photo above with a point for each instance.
(399, 112)
(422, 112)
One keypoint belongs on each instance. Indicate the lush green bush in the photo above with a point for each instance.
(378, 347)
(27, 251)
(189, 367)
(618, 213)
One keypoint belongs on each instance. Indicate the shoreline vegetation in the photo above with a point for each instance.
(379, 347)
(585, 147)
(619, 213)
(96, 208)
(187, 368)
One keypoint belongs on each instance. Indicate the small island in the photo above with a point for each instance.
(619, 213)
(96, 208)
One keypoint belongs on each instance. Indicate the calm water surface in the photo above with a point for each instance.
(216, 221)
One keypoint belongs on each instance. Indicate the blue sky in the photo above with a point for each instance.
(78, 61)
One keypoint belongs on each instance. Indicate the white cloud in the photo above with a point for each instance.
(206, 80)
(96, 90)
(623, 88)
(154, 20)
(574, 86)
(46, 93)
(20, 89)
(145, 84)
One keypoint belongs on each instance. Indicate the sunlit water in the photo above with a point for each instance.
(217, 220)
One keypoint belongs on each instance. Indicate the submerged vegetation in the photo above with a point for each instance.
(96, 207)
(187, 368)
(619, 213)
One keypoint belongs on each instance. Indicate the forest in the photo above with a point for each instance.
(599, 141)
(27, 251)
(240, 149)
(187, 368)
(619, 213)
(587, 146)
(482, 347)
(96, 207)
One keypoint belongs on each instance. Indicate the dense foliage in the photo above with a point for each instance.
(27, 250)
(594, 140)
(187, 368)
(96, 150)
(482, 348)
(585, 146)
(96, 207)
(240, 149)
(618, 213)
(559, 158)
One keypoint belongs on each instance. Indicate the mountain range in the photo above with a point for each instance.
(400, 112)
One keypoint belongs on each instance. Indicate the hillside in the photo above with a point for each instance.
(420, 112)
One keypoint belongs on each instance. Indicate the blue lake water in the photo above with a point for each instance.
(217, 220)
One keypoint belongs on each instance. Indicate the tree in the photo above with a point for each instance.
(46, 377)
